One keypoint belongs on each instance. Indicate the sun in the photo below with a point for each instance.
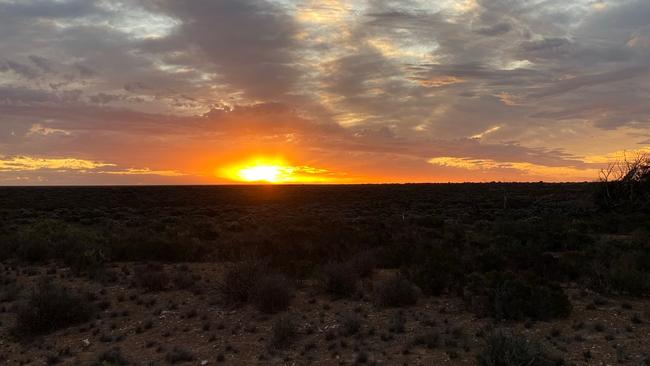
(274, 171)
(261, 170)
(262, 173)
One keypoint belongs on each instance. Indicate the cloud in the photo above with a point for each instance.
(251, 43)
(495, 30)
(26, 163)
(180, 87)
(144, 171)
(532, 171)
(570, 84)
(39, 129)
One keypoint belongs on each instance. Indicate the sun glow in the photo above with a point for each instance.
(266, 170)
(267, 173)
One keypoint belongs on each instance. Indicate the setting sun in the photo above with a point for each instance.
(267, 173)
(274, 170)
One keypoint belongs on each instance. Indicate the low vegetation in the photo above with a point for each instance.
(272, 293)
(369, 274)
(396, 291)
(503, 349)
(239, 280)
(283, 331)
(49, 307)
(507, 295)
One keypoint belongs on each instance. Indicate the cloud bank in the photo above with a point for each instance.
(162, 91)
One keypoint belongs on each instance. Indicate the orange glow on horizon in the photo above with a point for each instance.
(274, 171)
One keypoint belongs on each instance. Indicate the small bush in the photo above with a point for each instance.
(434, 270)
(9, 292)
(340, 279)
(350, 324)
(52, 239)
(272, 294)
(396, 291)
(239, 280)
(364, 263)
(507, 350)
(626, 278)
(177, 355)
(152, 277)
(112, 357)
(49, 308)
(397, 322)
(283, 331)
(430, 339)
(184, 280)
(88, 261)
(518, 296)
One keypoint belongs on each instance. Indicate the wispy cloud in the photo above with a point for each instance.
(26, 163)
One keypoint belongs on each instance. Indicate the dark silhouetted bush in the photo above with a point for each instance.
(508, 350)
(429, 339)
(272, 294)
(626, 279)
(624, 182)
(395, 292)
(112, 357)
(339, 279)
(52, 239)
(151, 277)
(350, 324)
(364, 263)
(177, 355)
(239, 279)
(507, 295)
(433, 269)
(283, 331)
(50, 307)
(88, 261)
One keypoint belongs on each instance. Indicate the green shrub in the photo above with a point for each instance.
(507, 350)
(396, 291)
(50, 307)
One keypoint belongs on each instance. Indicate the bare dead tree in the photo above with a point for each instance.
(625, 181)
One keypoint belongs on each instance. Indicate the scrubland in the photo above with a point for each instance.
(458, 274)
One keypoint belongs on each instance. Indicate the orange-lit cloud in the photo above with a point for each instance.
(533, 171)
(437, 82)
(26, 163)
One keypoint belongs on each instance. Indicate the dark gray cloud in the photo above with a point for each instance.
(49, 9)
(495, 30)
(251, 43)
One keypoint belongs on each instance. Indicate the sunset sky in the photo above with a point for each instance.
(320, 91)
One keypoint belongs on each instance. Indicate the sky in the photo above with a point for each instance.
(320, 91)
